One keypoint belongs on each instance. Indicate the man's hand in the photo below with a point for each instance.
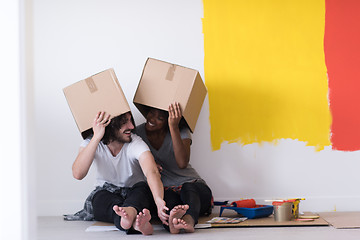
(101, 120)
(161, 208)
(86, 154)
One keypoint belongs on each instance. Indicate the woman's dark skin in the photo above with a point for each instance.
(157, 126)
(156, 129)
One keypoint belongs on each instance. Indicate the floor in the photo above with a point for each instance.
(56, 228)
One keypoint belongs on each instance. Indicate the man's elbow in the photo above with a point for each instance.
(77, 175)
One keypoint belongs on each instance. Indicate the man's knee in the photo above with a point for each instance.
(100, 197)
(143, 185)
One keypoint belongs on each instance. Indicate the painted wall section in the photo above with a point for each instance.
(265, 71)
(342, 52)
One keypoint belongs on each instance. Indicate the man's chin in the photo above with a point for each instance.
(128, 139)
(125, 139)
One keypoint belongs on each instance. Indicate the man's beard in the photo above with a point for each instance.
(122, 139)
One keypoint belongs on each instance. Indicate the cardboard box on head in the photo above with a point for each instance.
(100, 92)
(163, 83)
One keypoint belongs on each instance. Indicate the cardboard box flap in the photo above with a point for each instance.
(163, 83)
(100, 92)
(195, 102)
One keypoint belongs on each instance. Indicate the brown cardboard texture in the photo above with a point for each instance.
(163, 83)
(342, 220)
(100, 92)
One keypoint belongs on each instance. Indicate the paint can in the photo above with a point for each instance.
(283, 211)
(295, 208)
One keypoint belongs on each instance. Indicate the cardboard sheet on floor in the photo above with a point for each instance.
(105, 227)
(342, 220)
(265, 222)
(259, 222)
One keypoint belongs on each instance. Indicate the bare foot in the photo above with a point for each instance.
(189, 224)
(127, 214)
(142, 222)
(175, 214)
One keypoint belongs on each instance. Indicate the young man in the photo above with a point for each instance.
(124, 164)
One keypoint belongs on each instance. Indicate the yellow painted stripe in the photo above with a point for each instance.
(265, 71)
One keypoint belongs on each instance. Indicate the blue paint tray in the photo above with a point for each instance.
(256, 212)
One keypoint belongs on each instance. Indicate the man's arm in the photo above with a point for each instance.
(86, 154)
(84, 160)
(153, 177)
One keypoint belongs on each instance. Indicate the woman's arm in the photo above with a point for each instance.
(181, 146)
(152, 175)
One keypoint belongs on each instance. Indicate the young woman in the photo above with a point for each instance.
(186, 193)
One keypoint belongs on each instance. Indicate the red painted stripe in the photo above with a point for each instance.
(342, 56)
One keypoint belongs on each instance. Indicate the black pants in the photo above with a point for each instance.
(139, 196)
(195, 194)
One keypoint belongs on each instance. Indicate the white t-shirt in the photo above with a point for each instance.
(122, 170)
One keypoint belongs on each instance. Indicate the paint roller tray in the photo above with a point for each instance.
(258, 211)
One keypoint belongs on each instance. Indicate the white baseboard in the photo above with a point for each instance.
(310, 204)
(58, 208)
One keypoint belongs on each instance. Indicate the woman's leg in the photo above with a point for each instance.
(198, 196)
(178, 219)
(171, 199)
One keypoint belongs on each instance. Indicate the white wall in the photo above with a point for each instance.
(17, 218)
(10, 142)
(75, 39)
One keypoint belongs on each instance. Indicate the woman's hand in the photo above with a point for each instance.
(159, 167)
(181, 146)
(175, 115)
(101, 120)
